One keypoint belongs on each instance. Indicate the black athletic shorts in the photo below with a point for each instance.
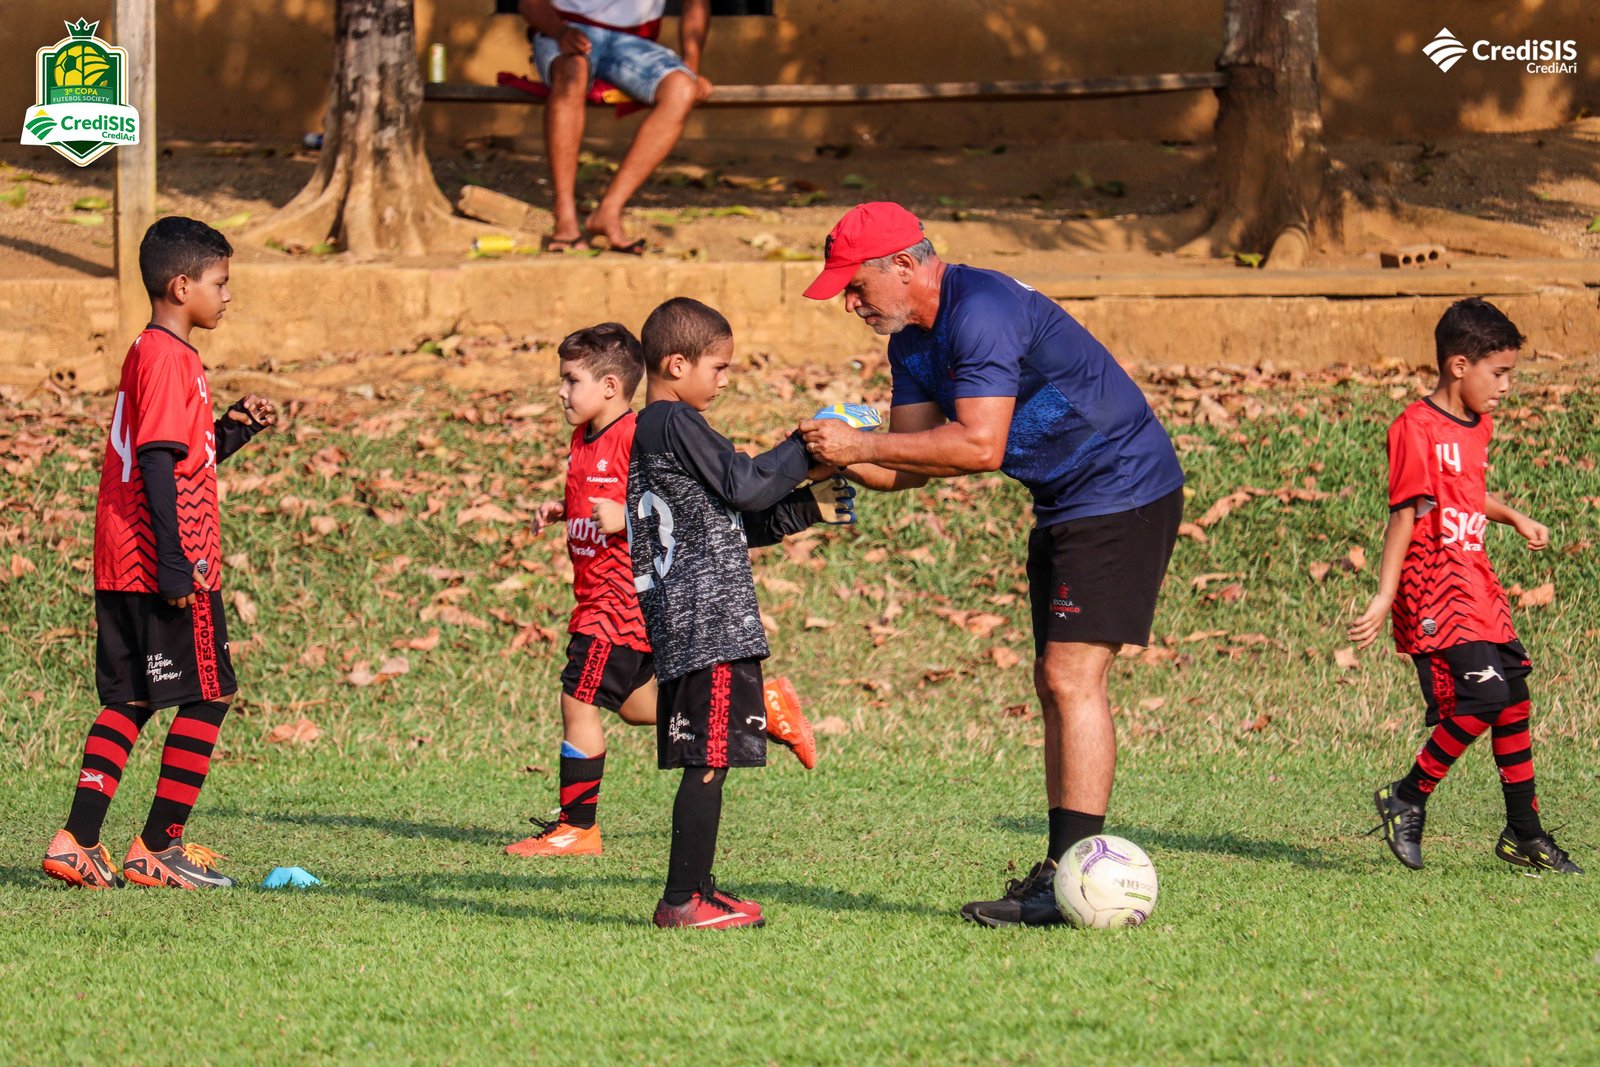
(148, 651)
(1473, 678)
(603, 674)
(713, 717)
(1096, 579)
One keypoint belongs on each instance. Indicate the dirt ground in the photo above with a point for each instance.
(776, 202)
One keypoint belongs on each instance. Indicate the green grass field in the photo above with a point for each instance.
(1249, 754)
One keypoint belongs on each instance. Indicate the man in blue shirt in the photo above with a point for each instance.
(988, 374)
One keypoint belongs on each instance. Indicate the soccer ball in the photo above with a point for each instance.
(1105, 881)
(80, 64)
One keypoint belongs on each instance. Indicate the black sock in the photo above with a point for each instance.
(696, 815)
(1068, 827)
(1522, 809)
(185, 762)
(580, 788)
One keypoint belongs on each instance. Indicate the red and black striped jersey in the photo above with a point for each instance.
(602, 568)
(1448, 590)
(162, 402)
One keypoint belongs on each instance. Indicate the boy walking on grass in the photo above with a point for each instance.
(696, 505)
(162, 638)
(1450, 613)
(609, 662)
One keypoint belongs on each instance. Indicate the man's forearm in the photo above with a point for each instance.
(542, 16)
(693, 28)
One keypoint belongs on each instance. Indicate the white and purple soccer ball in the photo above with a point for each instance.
(1106, 881)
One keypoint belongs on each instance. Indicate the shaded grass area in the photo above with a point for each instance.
(1249, 756)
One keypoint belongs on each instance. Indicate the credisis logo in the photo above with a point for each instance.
(1538, 56)
(1445, 49)
(81, 85)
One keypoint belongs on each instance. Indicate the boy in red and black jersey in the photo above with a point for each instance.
(1450, 613)
(609, 663)
(162, 639)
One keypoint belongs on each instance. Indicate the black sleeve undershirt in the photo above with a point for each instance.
(174, 572)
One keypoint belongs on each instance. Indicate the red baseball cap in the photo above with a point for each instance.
(867, 231)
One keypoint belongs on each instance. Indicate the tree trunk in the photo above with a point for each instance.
(1271, 166)
(372, 191)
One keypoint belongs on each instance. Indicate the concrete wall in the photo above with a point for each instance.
(259, 68)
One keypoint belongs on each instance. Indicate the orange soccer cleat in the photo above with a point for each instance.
(179, 866)
(559, 838)
(90, 868)
(787, 724)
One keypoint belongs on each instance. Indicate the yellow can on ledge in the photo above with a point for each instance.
(436, 63)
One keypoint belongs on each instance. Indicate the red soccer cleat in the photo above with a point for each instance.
(787, 724)
(708, 913)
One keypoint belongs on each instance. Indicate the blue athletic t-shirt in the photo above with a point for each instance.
(1083, 438)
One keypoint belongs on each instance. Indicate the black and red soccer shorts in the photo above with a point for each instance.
(603, 674)
(713, 717)
(1473, 678)
(149, 652)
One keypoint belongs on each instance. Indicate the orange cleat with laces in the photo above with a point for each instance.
(180, 866)
(559, 838)
(786, 723)
(70, 862)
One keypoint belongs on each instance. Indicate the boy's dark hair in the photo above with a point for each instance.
(681, 325)
(1473, 328)
(176, 245)
(608, 348)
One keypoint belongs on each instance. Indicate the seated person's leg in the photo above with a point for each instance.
(568, 77)
(654, 74)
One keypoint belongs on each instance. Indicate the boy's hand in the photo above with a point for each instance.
(256, 409)
(550, 511)
(1537, 534)
(836, 499)
(202, 584)
(1369, 623)
(610, 515)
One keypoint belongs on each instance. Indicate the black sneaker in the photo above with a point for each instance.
(1534, 853)
(1029, 901)
(1401, 825)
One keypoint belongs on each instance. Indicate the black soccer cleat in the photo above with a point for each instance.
(1401, 824)
(1534, 854)
(1029, 901)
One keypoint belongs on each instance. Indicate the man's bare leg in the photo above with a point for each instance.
(563, 136)
(1080, 742)
(658, 134)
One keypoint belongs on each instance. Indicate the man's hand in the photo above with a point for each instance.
(574, 42)
(256, 409)
(550, 511)
(1537, 534)
(610, 515)
(702, 88)
(834, 442)
(1365, 629)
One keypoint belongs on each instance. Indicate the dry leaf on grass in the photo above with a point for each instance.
(817, 622)
(21, 565)
(1255, 725)
(1357, 559)
(779, 586)
(1152, 703)
(426, 643)
(324, 525)
(244, 606)
(299, 732)
(1538, 597)
(832, 726)
(1004, 658)
(1319, 571)
(313, 656)
(451, 615)
(1346, 659)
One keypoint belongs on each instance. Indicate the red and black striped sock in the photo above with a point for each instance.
(185, 762)
(1513, 755)
(105, 754)
(580, 788)
(1449, 739)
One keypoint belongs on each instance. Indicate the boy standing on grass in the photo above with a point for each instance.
(696, 505)
(1450, 613)
(162, 638)
(609, 663)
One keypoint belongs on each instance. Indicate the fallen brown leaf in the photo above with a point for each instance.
(1004, 658)
(244, 606)
(1346, 659)
(299, 732)
(1538, 597)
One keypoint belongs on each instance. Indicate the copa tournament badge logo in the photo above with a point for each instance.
(81, 83)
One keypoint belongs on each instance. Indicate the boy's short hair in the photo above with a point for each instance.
(1474, 328)
(684, 326)
(176, 245)
(608, 348)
